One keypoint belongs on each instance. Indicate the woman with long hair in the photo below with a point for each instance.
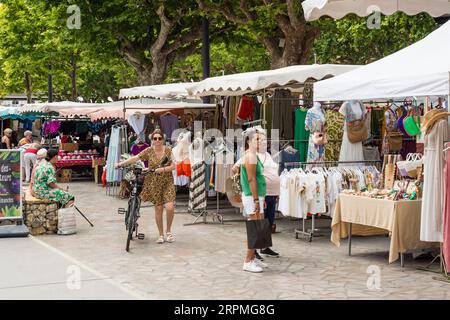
(158, 187)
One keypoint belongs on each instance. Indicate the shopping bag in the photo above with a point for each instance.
(259, 234)
(67, 221)
(408, 168)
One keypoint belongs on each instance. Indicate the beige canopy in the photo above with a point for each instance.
(337, 9)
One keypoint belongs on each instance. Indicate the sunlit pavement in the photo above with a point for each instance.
(205, 262)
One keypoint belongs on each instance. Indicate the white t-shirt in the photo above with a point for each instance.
(316, 193)
(283, 204)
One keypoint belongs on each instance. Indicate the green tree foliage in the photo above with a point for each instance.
(228, 56)
(350, 41)
(34, 35)
(150, 35)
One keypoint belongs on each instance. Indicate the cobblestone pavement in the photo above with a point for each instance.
(205, 262)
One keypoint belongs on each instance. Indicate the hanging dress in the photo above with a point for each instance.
(335, 131)
(433, 186)
(197, 187)
(446, 224)
(351, 110)
(300, 134)
(315, 122)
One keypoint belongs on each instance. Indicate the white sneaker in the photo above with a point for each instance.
(252, 267)
(259, 263)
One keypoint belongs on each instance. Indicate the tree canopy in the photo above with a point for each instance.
(123, 43)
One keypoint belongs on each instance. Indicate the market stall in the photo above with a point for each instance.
(271, 98)
(414, 72)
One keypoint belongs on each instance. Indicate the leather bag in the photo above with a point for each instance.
(395, 141)
(357, 130)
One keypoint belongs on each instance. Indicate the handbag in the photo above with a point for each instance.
(400, 124)
(259, 234)
(357, 130)
(412, 127)
(395, 141)
(319, 138)
(236, 184)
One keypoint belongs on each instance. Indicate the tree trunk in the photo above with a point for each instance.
(296, 50)
(152, 73)
(28, 87)
(73, 77)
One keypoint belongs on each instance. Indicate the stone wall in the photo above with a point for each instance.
(41, 218)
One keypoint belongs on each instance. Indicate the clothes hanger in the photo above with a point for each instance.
(290, 149)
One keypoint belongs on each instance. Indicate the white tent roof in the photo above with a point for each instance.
(54, 106)
(242, 83)
(422, 69)
(337, 9)
(164, 91)
(115, 110)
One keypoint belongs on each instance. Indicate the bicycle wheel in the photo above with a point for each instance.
(131, 222)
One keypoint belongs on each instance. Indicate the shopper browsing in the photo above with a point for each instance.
(158, 186)
(27, 138)
(253, 186)
(29, 158)
(270, 172)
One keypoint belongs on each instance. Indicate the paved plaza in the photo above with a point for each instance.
(205, 262)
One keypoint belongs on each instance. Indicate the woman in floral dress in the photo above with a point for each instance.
(44, 185)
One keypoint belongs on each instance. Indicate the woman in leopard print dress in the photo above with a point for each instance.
(158, 187)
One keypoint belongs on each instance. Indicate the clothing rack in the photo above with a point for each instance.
(262, 121)
(313, 232)
(330, 162)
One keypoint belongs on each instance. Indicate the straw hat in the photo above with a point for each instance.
(234, 198)
(431, 117)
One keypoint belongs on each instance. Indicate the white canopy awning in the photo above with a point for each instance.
(242, 83)
(116, 110)
(422, 69)
(163, 91)
(53, 106)
(111, 109)
(337, 9)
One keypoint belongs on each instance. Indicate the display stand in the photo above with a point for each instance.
(16, 230)
(216, 218)
(445, 277)
(312, 231)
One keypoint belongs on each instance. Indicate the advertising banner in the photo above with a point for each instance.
(10, 185)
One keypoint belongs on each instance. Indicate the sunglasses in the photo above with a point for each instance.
(157, 138)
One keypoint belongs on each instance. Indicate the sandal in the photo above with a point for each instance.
(170, 238)
(160, 240)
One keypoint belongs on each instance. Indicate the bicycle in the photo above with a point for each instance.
(132, 214)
